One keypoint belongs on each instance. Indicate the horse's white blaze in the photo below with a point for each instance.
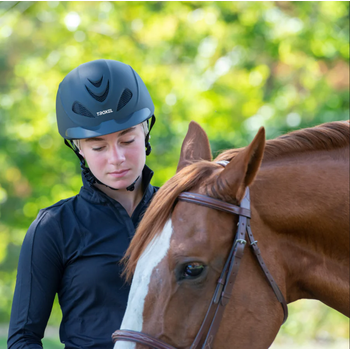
(150, 258)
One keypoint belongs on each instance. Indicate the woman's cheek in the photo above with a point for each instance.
(95, 159)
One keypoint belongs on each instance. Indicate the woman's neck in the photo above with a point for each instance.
(128, 199)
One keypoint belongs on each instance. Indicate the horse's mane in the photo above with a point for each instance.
(324, 137)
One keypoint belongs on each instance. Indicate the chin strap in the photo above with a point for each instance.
(148, 136)
(132, 186)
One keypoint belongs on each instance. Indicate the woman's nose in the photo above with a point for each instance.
(116, 156)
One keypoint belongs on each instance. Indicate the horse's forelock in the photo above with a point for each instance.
(161, 207)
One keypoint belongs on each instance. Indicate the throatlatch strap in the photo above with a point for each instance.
(273, 284)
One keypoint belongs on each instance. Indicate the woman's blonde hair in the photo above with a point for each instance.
(144, 126)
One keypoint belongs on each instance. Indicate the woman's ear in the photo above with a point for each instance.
(81, 153)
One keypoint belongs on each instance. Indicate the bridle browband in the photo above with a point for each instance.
(224, 287)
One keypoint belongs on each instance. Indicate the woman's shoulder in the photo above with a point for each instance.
(62, 204)
(50, 219)
(54, 228)
(56, 210)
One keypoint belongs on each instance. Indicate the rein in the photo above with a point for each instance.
(224, 287)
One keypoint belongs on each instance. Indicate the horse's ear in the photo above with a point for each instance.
(195, 146)
(242, 169)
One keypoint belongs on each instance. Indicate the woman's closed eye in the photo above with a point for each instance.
(128, 142)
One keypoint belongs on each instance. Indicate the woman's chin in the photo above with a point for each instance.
(120, 185)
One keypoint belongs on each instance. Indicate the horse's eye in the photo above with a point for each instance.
(193, 270)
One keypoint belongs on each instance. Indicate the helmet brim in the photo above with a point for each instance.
(109, 126)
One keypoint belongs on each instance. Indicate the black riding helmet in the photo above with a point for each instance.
(99, 98)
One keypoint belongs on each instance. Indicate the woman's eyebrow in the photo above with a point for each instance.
(123, 132)
(94, 139)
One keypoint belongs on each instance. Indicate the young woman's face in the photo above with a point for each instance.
(116, 159)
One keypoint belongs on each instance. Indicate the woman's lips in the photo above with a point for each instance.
(120, 173)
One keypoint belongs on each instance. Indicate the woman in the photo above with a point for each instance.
(73, 247)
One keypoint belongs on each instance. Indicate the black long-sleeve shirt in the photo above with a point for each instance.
(73, 248)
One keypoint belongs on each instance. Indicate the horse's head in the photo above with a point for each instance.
(180, 250)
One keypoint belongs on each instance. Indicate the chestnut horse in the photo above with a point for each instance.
(299, 189)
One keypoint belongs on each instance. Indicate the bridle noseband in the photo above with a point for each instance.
(224, 287)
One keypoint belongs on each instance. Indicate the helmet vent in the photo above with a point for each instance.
(124, 99)
(96, 83)
(100, 98)
(80, 109)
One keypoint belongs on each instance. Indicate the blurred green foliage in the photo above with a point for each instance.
(231, 66)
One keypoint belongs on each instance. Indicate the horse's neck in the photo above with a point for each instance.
(304, 205)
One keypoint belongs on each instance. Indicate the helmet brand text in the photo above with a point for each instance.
(105, 112)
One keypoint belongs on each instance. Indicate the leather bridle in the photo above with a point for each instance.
(227, 278)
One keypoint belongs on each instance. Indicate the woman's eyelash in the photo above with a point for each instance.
(100, 148)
